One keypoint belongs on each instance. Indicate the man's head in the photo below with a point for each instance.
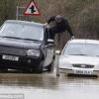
(58, 18)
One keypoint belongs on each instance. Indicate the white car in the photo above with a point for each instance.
(81, 57)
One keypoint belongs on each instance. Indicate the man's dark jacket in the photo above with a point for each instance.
(59, 27)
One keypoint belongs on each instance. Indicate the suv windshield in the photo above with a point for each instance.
(82, 49)
(22, 30)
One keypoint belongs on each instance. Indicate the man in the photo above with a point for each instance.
(58, 24)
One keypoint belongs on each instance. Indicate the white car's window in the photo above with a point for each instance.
(28, 31)
(82, 49)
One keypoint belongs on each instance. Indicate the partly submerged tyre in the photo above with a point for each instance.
(50, 68)
(38, 69)
(3, 70)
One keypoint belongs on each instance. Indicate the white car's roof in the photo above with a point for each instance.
(84, 41)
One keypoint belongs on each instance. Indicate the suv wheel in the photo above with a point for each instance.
(51, 67)
(39, 69)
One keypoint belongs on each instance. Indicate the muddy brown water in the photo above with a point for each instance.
(47, 86)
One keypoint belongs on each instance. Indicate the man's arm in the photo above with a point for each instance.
(68, 28)
(51, 19)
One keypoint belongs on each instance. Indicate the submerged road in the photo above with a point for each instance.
(47, 86)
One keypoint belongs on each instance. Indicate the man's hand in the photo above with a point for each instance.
(46, 25)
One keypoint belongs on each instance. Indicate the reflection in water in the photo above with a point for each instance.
(29, 80)
(78, 80)
(45, 80)
(48, 86)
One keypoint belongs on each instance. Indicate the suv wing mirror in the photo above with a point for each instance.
(50, 41)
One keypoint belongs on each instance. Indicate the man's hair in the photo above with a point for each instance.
(58, 18)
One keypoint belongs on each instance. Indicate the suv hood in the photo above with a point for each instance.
(19, 43)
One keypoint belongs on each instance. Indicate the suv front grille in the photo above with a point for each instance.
(12, 51)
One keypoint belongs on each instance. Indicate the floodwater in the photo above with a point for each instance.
(47, 86)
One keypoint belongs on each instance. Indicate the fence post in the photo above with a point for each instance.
(57, 52)
(17, 12)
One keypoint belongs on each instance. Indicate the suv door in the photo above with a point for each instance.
(50, 54)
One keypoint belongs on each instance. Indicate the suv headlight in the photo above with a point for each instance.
(32, 52)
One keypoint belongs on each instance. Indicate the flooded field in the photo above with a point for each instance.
(47, 86)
